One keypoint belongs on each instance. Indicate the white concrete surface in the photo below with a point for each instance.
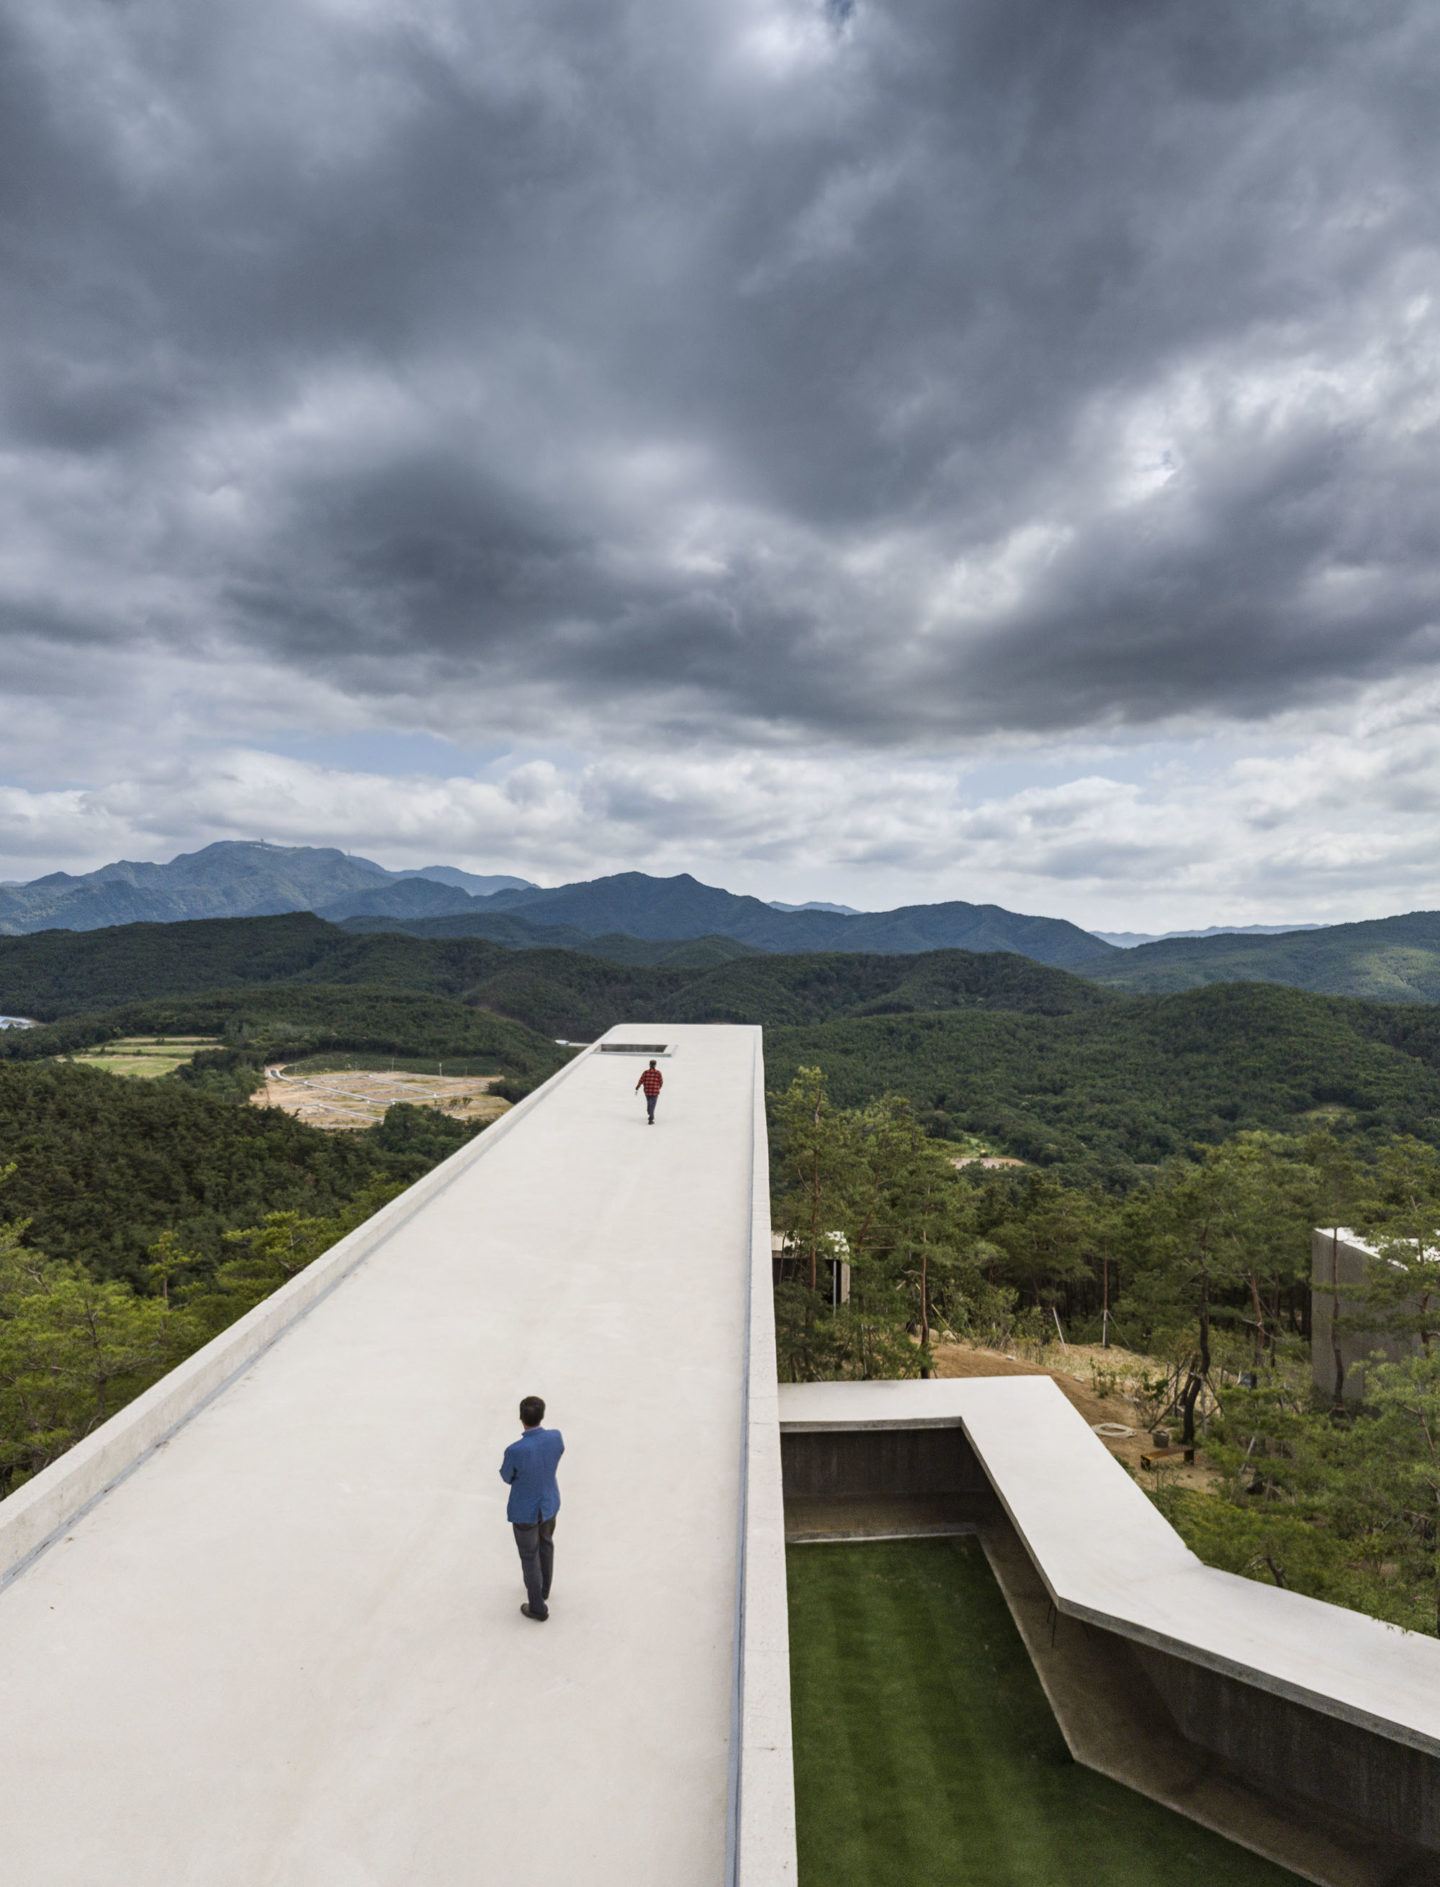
(46, 1505)
(764, 1779)
(1107, 1555)
(286, 1650)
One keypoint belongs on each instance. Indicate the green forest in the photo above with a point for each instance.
(1204, 1264)
(1176, 1149)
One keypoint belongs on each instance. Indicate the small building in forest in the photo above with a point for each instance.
(1342, 1271)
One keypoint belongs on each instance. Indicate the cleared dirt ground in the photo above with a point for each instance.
(1072, 1372)
(359, 1098)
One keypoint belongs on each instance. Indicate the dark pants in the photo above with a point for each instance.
(650, 1100)
(536, 1547)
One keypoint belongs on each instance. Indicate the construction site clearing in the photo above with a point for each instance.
(358, 1098)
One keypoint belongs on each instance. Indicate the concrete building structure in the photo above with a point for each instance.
(263, 1626)
(1342, 1265)
(1324, 1724)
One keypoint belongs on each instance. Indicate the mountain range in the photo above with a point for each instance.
(1384, 959)
(232, 878)
(1129, 939)
(656, 908)
(235, 878)
(634, 918)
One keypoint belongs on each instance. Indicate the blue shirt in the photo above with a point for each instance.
(529, 1466)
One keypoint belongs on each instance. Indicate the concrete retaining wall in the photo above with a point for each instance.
(1283, 1748)
(36, 1513)
(844, 1464)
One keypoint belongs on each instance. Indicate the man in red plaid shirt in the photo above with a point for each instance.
(652, 1081)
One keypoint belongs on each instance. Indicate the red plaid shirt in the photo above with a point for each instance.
(652, 1081)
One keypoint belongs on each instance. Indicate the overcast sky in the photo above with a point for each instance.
(886, 450)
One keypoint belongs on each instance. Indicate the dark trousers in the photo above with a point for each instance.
(536, 1547)
(650, 1100)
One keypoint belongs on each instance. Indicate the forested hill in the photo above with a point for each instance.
(680, 907)
(61, 973)
(578, 997)
(284, 1021)
(1104, 1092)
(57, 972)
(104, 1165)
(232, 878)
(242, 879)
(1388, 959)
(505, 927)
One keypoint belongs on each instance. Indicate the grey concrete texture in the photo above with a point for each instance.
(32, 1516)
(1338, 1769)
(1113, 1720)
(762, 1821)
(837, 1464)
(286, 1649)
(1341, 1264)
(1106, 1555)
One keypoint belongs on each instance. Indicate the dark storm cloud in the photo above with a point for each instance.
(893, 372)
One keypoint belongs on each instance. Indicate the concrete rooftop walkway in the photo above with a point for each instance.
(287, 1652)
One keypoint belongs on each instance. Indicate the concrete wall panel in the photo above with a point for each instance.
(872, 1463)
(1283, 1747)
(1343, 1260)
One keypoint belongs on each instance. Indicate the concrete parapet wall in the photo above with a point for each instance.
(32, 1517)
(763, 1773)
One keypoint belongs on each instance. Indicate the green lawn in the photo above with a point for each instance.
(927, 1756)
(144, 1055)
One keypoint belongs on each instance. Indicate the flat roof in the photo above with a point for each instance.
(1323, 1234)
(1106, 1554)
(287, 1648)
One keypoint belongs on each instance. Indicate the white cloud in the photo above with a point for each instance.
(1333, 819)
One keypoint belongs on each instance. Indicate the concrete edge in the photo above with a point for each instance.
(1135, 1630)
(1089, 1755)
(36, 1514)
(763, 1770)
(1317, 1700)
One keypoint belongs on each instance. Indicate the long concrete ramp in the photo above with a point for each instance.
(286, 1649)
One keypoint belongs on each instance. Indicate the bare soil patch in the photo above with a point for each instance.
(358, 1098)
(1072, 1371)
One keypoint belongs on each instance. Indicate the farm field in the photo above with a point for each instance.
(925, 1751)
(144, 1055)
(358, 1097)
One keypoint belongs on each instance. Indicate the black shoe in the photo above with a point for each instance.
(539, 1617)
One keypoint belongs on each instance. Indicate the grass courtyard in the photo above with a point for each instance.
(927, 1756)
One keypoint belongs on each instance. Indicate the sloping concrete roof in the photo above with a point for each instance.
(285, 1650)
(1107, 1555)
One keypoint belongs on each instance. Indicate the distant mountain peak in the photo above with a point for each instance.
(1133, 939)
(227, 878)
(815, 904)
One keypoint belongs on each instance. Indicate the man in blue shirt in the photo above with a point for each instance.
(529, 1467)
